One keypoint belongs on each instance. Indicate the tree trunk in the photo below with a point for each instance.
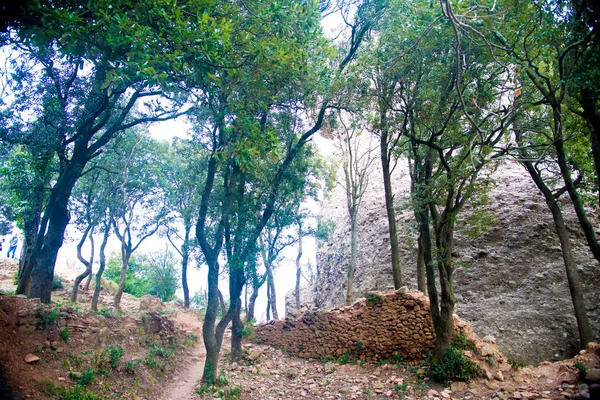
(86, 263)
(222, 303)
(101, 268)
(421, 275)
(271, 294)
(352, 263)
(576, 290)
(268, 312)
(298, 266)
(251, 304)
(237, 329)
(49, 241)
(391, 213)
(30, 233)
(126, 255)
(185, 256)
(444, 328)
(208, 327)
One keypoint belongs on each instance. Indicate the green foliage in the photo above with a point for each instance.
(190, 340)
(46, 318)
(461, 342)
(401, 387)
(582, 369)
(325, 229)
(85, 378)
(158, 356)
(515, 364)
(77, 392)
(249, 330)
(65, 334)
(131, 366)
(374, 300)
(57, 282)
(115, 354)
(454, 367)
(147, 274)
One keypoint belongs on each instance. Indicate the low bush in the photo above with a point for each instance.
(454, 367)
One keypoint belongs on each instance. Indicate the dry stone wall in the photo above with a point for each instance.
(372, 328)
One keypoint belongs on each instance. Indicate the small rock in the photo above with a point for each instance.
(403, 290)
(489, 339)
(498, 376)
(31, 358)
(593, 375)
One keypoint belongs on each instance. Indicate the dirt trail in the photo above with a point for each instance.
(182, 386)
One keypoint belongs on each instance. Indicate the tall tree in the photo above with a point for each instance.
(356, 150)
(80, 74)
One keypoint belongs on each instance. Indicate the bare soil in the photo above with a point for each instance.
(264, 373)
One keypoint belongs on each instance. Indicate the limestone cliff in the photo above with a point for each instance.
(510, 281)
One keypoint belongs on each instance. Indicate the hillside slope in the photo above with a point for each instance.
(510, 281)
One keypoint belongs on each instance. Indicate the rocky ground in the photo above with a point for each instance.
(37, 361)
(509, 280)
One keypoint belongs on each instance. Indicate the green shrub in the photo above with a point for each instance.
(83, 379)
(249, 330)
(77, 392)
(65, 334)
(581, 368)
(57, 283)
(460, 342)
(46, 318)
(403, 387)
(515, 364)
(115, 354)
(374, 300)
(454, 367)
(131, 366)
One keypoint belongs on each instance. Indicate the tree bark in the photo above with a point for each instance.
(421, 275)
(126, 256)
(352, 263)
(101, 268)
(86, 263)
(271, 294)
(575, 288)
(185, 256)
(298, 266)
(389, 199)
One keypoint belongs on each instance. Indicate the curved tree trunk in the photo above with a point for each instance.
(86, 263)
(101, 268)
(185, 257)
(126, 256)
(271, 294)
(575, 288)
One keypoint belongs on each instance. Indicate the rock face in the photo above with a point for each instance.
(509, 280)
(371, 329)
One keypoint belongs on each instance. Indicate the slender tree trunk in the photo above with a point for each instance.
(185, 256)
(126, 256)
(391, 214)
(86, 263)
(208, 327)
(268, 312)
(101, 268)
(271, 294)
(575, 288)
(251, 304)
(565, 171)
(421, 275)
(298, 266)
(237, 328)
(352, 263)
(444, 329)
(222, 303)
(588, 101)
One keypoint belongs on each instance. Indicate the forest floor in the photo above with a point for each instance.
(162, 358)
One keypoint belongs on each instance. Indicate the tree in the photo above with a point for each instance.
(162, 274)
(183, 169)
(81, 74)
(356, 156)
(142, 210)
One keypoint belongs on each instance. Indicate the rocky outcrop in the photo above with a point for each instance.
(509, 279)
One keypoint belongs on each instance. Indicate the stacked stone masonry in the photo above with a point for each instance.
(371, 329)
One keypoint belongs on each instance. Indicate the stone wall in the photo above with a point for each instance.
(370, 329)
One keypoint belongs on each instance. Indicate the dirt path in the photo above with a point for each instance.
(182, 386)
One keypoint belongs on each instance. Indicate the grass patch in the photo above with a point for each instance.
(65, 334)
(45, 318)
(454, 367)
